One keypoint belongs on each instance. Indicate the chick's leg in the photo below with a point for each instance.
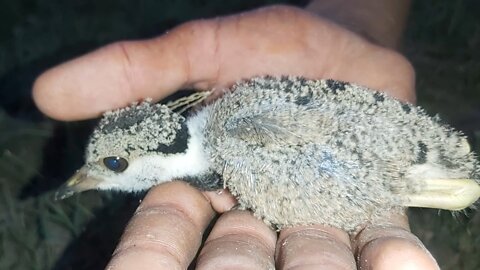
(449, 194)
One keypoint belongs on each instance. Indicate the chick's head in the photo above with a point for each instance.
(129, 150)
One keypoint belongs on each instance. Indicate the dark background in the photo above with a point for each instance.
(37, 154)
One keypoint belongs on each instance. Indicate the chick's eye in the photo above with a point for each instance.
(116, 164)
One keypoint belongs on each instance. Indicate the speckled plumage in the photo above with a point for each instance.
(295, 151)
(326, 151)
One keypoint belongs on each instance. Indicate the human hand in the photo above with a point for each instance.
(166, 230)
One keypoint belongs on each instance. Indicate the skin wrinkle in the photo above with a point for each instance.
(158, 247)
(340, 49)
(332, 241)
(370, 234)
(302, 40)
(379, 250)
(205, 33)
(256, 242)
(258, 239)
(190, 205)
(133, 228)
(121, 49)
(323, 71)
(239, 234)
(332, 253)
(216, 54)
(233, 227)
(136, 249)
(137, 236)
(169, 64)
(127, 65)
(317, 232)
(216, 264)
(330, 260)
(314, 266)
(239, 240)
(335, 249)
(343, 42)
(397, 88)
(271, 17)
(406, 236)
(373, 240)
(238, 263)
(305, 40)
(236, 248)
(170, 208)
(187, 59)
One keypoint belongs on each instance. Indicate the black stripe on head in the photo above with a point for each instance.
(179, 144)
(124, 120)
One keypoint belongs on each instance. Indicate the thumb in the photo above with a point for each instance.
(215, 53)
(120, 73)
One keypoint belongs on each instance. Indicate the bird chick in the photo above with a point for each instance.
(291, 150)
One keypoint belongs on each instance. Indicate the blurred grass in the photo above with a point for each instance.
(443, 41)
(37, 154)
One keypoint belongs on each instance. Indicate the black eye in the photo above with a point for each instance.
(116, 164)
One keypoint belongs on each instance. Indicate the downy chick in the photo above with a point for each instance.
(293, 151)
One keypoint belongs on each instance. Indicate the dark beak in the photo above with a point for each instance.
(79, 182)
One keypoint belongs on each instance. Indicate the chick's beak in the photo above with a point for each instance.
(79, 182)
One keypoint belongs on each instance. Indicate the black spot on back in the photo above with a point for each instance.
(238, 104)
(378, 97)
(302, 81)
(358, 154)
(422, 153)
(179, 144)
(335, 86)
(304, 100)
(354, 138)
(271, 78)
(289, 86)
(407, 108)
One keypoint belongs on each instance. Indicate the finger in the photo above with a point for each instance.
(238, 241)
(314, 247)
(114, 76)
(390, 245)
(221, 200)
(166, 230)
(214, 54)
